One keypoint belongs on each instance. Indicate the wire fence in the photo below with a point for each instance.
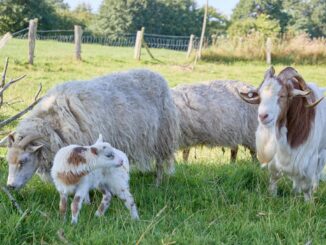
(179, 43)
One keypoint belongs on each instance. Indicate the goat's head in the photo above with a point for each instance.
(276, 94)
(22, 159)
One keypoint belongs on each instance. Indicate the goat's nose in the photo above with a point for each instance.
(263, 116)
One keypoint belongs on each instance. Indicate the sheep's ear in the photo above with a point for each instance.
(100, 139)
(10, 140)
(251, 97)
(33, 149)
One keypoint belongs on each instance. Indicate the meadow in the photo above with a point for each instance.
(207, 201)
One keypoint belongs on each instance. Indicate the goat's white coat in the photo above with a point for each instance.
(303, 164)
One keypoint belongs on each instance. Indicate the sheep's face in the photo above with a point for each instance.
(22, 161)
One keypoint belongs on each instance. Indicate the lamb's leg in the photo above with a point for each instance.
(129, 202)
(253, 155)
(78, 201)
(63, 205)
(185, 154)
(105, 203)
(234, 153)
(87, 199)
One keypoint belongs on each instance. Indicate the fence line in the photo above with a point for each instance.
(179, 43)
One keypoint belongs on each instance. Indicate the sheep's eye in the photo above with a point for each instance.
(21, 163)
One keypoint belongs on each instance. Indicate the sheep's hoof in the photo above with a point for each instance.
(135, 217)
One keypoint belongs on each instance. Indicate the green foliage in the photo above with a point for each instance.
(263, 24)
(169, 17)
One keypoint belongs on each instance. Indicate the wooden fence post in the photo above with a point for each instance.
(190, 45)
(138, 44)
(78, 41)
(269, 51)
(31, 40)
(214, 40)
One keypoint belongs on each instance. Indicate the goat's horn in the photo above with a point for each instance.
(312, 105)
(29, 138)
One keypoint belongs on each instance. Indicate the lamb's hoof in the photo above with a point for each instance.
(98, 214)
(74, 221)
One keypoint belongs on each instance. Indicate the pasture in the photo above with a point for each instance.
(207, 201)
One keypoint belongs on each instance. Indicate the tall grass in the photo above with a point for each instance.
(289, 49)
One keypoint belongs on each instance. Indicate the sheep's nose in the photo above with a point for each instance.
(263, 116)
(11, 187)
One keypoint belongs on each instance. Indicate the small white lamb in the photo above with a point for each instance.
(79, 169)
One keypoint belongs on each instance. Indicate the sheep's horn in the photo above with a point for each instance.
(26, 140)
(312, 105)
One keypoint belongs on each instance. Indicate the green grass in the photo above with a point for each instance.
(207, 201)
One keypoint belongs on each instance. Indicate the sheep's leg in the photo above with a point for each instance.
(185, 154)
(171, 166)
(63, 205)
(296, 186)
(129, 202)
(105, 203)
(253, 155)
(159, 172)
(234, 153)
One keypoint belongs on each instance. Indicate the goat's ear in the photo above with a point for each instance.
(251, 97)
(269, 73)
(33, 149)
(100, 139)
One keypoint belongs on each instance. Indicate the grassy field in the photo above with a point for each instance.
(207, 201)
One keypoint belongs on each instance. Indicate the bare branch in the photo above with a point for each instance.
(38, 92)
(3, 80)
(19, 114)
(12, 81)
(12, 199)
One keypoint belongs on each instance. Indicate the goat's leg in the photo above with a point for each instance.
(63, 205)
(273, 178)
(105, 203)
(234, 153)
(129, 202)
(185, 154)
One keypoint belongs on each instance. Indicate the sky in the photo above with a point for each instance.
(225, 6)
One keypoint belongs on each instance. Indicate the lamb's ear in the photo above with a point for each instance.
(100, 139)
(33, 149)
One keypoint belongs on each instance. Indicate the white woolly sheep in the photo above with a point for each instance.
(79, 169)
(289, 137)
(133, 110)
(212, 114)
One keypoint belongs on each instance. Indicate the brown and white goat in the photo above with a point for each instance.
(79, 169)
(289, 135)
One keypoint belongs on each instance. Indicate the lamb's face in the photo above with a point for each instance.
(106, 155)
(22, 161)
